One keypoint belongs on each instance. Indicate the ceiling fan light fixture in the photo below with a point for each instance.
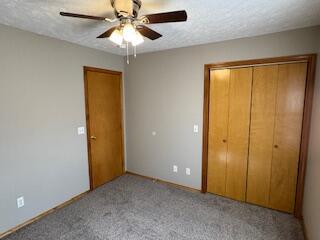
(129, 32)
(116, 37)
(131, 29)
(138, 39)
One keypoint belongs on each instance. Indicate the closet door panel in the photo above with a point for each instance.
(218, 131)
(264, 91)
(289, 114)
(238, 132)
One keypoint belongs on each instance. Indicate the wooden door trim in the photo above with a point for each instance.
(311, 60)
(93, 69)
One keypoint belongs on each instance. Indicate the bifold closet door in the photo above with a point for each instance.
(264, 93)
(218, 131)
(276, 122)
(238, 132)
(229, 121)
(287, 135)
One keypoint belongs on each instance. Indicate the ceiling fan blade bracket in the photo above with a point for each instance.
(111, 20)
(143, 20)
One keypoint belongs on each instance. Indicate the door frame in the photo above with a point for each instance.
(311, 60)
(93, 69)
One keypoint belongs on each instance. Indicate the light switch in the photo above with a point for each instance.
(195, 128)
(154, 133)
(20, 202)
(188, 171)
(175, 168)
(80, 130)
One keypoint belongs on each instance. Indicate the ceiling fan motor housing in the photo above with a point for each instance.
(126, 8)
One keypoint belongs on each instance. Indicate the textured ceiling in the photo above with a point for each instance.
(208, 20)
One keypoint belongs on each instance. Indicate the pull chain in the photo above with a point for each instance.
(128, 62)
(135, 51)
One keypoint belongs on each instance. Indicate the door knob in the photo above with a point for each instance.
(224, 140)
(93, 137)
(276, 146)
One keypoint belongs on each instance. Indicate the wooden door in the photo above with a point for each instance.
(229, 117)
(264, 93)
(238, 132)
(287, 135)
(218, 130)
(276, 125)
(104, 123)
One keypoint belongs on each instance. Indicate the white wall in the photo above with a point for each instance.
(311, 207)
(41, 105)
(164, 93)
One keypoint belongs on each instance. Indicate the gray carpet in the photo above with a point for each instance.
(132, 208)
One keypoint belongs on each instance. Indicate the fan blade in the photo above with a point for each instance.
(66, 14)
(107, 33)
(149, 33)
(177, 16)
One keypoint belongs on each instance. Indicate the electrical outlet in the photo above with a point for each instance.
(188, 171)
(20, 202)
(175, 168)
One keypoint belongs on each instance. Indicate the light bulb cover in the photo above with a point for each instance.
(138, 39)
(116, 37)
(129, 32)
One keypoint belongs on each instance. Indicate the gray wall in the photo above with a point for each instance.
(312, 190)
(164, 93)
(41, 105)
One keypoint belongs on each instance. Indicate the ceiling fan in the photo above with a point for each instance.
(132, 27)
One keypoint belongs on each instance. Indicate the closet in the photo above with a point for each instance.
(255, 117)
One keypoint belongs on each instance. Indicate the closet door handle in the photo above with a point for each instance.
(224, 140)
(276, 146)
